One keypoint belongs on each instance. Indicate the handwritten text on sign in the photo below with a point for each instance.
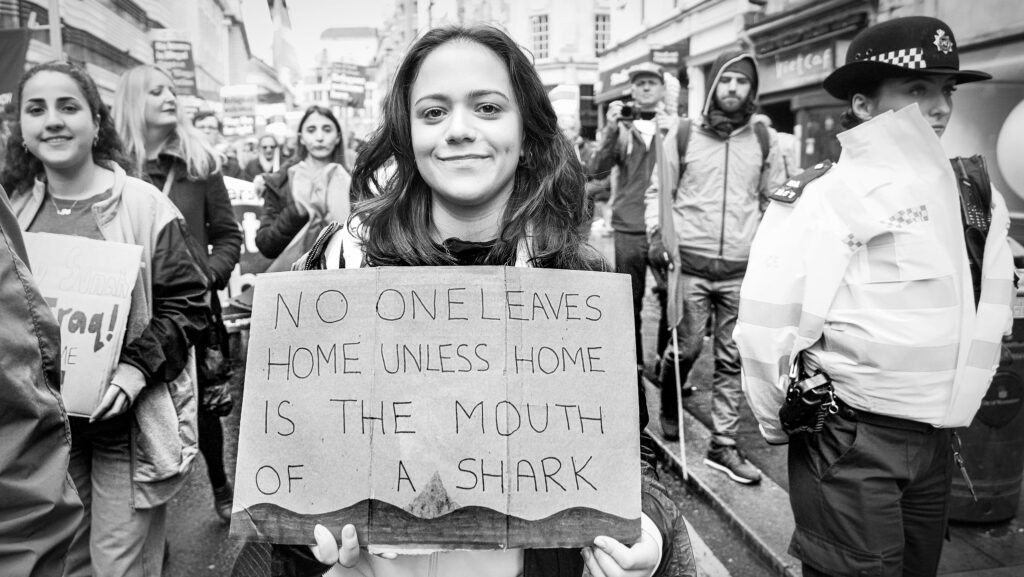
(88, 285)
(443, 407)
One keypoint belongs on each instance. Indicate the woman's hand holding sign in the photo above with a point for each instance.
(125, 385)
(348, 555)
(610, 558)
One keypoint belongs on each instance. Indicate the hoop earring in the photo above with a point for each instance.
(24, 147)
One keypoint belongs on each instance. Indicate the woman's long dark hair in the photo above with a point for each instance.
(22, 168)
(548, 196)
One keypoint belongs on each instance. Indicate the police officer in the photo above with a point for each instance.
(862, 272)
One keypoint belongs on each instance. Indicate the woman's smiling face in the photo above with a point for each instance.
(57, 124)
(467, 130)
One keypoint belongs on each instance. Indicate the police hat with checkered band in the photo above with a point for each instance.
(899, 47)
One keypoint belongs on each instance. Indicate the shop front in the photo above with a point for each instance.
(796, 49)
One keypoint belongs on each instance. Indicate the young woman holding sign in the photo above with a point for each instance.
(133, 454)
(483, 176)
(175, 157)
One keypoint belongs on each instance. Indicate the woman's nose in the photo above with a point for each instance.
(460, 125)
(54, 119)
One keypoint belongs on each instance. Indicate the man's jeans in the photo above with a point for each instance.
(701, 298)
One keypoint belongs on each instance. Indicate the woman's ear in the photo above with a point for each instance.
(863, 106)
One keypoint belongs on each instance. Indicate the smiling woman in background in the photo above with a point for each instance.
(135, 451)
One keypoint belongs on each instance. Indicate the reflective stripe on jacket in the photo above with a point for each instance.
(867, 272)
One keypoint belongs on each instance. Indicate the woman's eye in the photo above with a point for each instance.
(70, 108)
(489, 109)
(433, 113)
(34, 110)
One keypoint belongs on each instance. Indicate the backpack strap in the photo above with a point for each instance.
(683, 141)
(314, 259)
(764, 139)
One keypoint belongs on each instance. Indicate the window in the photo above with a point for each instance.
(602, 31)
(539, 31)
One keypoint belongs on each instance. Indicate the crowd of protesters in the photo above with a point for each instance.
(710, 204)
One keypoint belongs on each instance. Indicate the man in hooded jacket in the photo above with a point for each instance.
(727, 168)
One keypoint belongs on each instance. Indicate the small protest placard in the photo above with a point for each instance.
(440, 408)
(88, 285)
(247, 206)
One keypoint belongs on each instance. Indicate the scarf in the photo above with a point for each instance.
(723, 124)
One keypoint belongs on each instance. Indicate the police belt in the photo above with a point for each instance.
(855, 414)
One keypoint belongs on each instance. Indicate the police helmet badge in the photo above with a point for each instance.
(943, 42)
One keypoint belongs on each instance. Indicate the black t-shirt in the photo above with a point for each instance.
(468, 253)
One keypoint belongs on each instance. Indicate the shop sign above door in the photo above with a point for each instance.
(794, 68)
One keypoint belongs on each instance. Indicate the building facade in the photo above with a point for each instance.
(683, 36)
(564, 37)
(799, 42)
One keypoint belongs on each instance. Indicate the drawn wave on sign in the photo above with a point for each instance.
(462, 528)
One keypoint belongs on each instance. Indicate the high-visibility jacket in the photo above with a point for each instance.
(867, 272)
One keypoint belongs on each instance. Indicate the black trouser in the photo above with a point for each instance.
(211, 445)
(870, 493)
(209, 427)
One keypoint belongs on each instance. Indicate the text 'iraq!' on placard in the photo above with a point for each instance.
(440, 408)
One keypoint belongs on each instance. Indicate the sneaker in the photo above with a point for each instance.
(222, 500)
(670, 428)
(729, 460)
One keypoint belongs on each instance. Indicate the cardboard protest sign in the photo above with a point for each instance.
(88, 285)
(440, 408)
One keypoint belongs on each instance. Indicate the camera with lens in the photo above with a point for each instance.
(627, 110)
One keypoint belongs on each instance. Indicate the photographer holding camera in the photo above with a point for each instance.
(627, 143)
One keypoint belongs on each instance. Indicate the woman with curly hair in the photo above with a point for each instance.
(130, 457)
(173, 155)
(481, 176)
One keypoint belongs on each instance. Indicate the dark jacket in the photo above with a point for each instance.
(253, 168)
(636, 163)
(260, 559)
(281, 219)
(39, 507)
(233, 169)
(208, 214)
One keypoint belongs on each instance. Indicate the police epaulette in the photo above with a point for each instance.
(794, 187)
